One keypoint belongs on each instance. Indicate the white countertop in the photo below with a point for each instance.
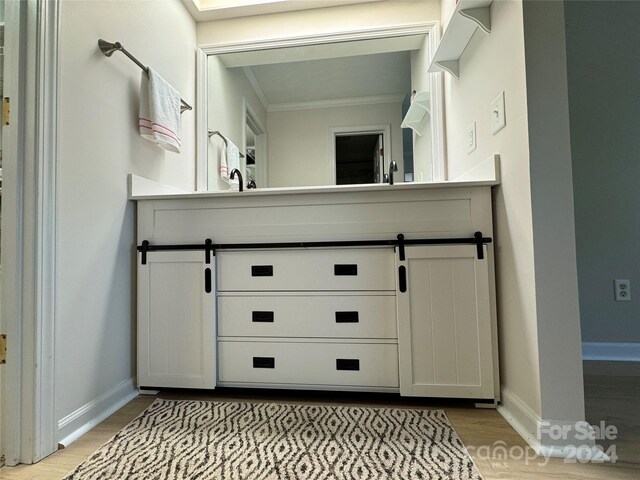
(139, 195)
(486, 174)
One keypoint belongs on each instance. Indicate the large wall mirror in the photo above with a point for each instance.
(322, 111)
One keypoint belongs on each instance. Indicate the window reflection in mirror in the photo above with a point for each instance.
(291, 109)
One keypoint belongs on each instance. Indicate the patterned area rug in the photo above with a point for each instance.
(188, 439)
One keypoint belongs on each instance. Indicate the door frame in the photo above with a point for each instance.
(260, 133)
(30, 153)
(382, 129)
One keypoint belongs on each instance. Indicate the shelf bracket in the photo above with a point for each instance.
(419, 108)
(451, 66)
(482, 16)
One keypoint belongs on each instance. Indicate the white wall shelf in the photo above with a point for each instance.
(468, 16)
(420, 106)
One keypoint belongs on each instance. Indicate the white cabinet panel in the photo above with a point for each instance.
(363, 269)
(445, 324)
(176, 321)
(305, 315)
(358, 213)
(309, 363)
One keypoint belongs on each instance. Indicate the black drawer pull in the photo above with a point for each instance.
(207, 280)
(349, 269)
(402, 278)
(262, 270)
(347, 317)
(264, 317)
(264, 362)
(347, 364)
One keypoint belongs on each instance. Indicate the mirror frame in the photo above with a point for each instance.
(437, 97)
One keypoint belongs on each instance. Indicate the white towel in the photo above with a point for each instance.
(229, 160)
(159, 119)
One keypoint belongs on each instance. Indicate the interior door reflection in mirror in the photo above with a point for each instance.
(327, 114)
(359, 158)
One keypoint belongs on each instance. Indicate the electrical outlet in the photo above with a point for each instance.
(498, 119)
(622, 290)
(471, 138)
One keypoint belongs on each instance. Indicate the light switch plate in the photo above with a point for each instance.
(471, 138)
(498, 118)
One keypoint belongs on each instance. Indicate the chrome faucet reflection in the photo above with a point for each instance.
(393, 167)
(235, 172)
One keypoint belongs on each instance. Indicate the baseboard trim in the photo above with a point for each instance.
(582, 453)
(530, 426)
(520, 416)
(80, 421)
(612, 352)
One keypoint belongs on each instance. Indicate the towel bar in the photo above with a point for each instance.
(108, 48)
(226, 142)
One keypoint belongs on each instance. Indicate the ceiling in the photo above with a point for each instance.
(374, 70)
(374, 75)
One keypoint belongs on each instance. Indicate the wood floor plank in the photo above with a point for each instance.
(614, 400)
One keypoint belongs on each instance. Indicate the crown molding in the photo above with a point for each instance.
(421, 28)
(336, 102)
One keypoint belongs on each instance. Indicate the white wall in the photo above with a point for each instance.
(1, 76)
(300, 141)
(538, 313)
(446, 11)
(559, 345)
(227, 88)
(319, 21)
(491, 64)
(99, 145)
(604, 111)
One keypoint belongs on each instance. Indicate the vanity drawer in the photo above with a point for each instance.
(330, 316)
(306, 270)
(310, 363)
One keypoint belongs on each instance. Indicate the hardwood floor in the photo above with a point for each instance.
(615, 399)
(607, 399)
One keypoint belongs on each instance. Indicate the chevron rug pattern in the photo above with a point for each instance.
(186, 439)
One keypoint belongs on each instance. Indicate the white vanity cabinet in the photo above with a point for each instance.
(307, 291)
(312, 318)
(176, 321)
(446, 338)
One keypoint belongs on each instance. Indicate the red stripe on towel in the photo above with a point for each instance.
(158, 124)
(161, 133)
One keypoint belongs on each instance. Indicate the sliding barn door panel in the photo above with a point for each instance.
(176, 328)
(444, 323)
